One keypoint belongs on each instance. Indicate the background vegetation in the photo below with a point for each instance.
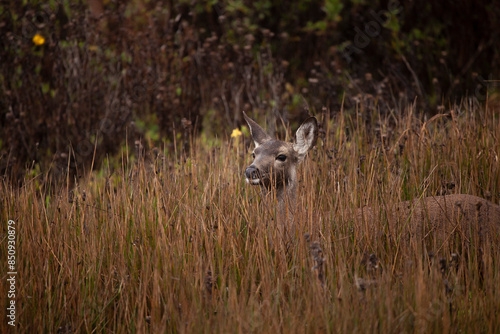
(110, 72)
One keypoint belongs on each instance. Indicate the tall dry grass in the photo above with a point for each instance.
(182, 244)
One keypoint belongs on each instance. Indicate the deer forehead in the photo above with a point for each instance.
(274, 148)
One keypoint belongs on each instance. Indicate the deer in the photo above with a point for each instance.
(274, 169)
(275, 164)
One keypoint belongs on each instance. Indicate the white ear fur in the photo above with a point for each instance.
(258, 134)
(306, 136)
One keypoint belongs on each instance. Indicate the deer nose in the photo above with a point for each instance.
(252, 173)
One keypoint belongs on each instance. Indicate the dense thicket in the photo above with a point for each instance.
(110, 71)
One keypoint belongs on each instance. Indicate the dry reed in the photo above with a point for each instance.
(181, 244)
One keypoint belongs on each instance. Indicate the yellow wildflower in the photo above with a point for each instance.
(236, 133)
(38, 39)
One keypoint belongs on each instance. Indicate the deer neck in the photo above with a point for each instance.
(286, 195)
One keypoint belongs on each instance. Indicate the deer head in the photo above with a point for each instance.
(275, 161)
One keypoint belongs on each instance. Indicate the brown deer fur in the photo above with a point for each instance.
(275, 169)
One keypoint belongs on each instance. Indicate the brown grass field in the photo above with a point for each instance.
(179, 242)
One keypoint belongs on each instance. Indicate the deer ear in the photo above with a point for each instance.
(305, 137)
(258, 134)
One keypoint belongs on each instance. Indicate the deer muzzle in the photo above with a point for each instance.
(252, 175)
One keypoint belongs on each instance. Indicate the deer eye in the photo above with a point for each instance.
(253, 155)
(281, 157)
